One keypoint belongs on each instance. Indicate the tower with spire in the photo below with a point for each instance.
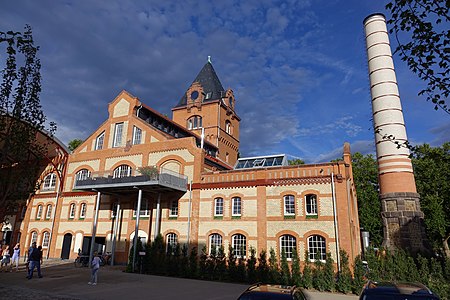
(207, 109)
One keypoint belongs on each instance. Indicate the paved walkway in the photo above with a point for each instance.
(63, 281)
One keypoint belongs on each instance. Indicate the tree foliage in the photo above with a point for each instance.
(295, 162)
(73, 144)
(22, 155)
(365, 174)
(424, 25)
(432, 170)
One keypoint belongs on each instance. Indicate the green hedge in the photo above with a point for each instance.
(320, 275)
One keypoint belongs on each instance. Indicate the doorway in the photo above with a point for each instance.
(67, 243)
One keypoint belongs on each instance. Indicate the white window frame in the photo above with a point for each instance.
(145, 208)
(287, 242)
(171, 242)
(99, 141)
(50, 182)
(218, 207)
(289, 205)
(83, 208)
(48, 213)
(317, 244)
(173, 211)
(72, 211)
(118, 132)
(39, 212)
(236, 206)
(195, 122)
(122, 171)
(215, 240)
(45, 239)
(34, 237)
(311, 205)
(239, 244)
(228, 127)
(137, 135)
(83, 174)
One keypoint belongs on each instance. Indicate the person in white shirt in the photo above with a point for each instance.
(95, 264)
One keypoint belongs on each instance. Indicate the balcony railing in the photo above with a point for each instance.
(138, 177)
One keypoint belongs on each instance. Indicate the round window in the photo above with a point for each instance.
(194, 95)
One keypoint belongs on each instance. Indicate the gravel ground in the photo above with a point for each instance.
(23, 293)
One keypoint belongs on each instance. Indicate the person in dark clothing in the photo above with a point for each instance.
(34, 258)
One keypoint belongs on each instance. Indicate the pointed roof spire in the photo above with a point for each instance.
(208, 79)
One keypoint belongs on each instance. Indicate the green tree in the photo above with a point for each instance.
(365, 174)
(344, 280)
(251, 266)
(263, 269)
(22, 156)
(296, 161)
(328, 270)
(285, 272)
(421, 28)
(274, 270)
(307, 278)
(432, 171)
(296, 274)
(73, 144)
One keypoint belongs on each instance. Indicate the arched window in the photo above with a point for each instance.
(171, 242)
(311, 204)
(228, 128)
(122, 171)
(218, 207)
(317, 247)
(236, 206)
(239, 244)
(39, 212)
(289, 205)
(34, 236)
(50, 182)
(287, 244)
(72, 211)
(194, 122)
(48, 213)
(215, 242)
(45, 239)
(83, 174)
(83, 211)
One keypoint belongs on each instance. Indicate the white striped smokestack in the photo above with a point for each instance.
(394, 166)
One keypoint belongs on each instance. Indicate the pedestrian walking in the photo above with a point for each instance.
(34, 258)
(95, 264)
(6, 258)
(16, 257)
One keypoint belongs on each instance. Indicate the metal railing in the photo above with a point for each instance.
(151, 175)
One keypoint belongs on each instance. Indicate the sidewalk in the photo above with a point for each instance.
(63, 281)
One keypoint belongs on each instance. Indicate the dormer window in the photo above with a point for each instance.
(208, 95)
(194, 122)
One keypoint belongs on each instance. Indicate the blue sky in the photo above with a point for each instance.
(298, 69)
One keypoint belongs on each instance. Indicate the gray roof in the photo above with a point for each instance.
(209, 81)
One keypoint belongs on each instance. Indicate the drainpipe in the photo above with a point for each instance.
(53, 218)
(189, 214)
(137, 110)
(336, 231)
(158, 216)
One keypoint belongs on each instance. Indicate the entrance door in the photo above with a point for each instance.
(65, 252)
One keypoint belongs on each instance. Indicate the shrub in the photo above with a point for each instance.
(251, 266)
(307, 278)
(274, 270)
(262, 271)
(344, 278)
(285, 274)
(296, 278)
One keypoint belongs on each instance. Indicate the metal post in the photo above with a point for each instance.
(158, 216)
(53, 217)
(136, 229)
(189, 214)
(116, 228)
(94, 227)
